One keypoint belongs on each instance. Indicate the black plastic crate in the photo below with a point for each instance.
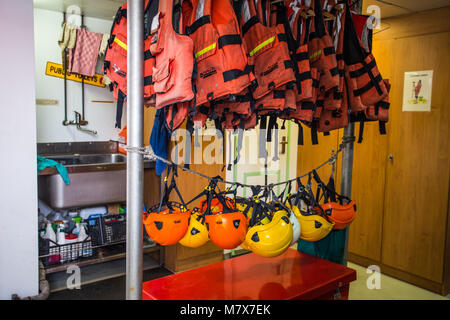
(52, 253)
(107, 229)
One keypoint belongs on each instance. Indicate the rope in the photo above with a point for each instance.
(146, 151)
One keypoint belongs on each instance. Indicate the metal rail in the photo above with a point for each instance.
(347, 160)
(135, 161)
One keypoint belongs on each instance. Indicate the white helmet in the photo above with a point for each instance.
(295, 227)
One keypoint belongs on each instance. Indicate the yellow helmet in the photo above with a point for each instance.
(197, 234)
(270, 239)
(313, 226)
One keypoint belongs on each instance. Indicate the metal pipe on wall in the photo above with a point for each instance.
(135, 163)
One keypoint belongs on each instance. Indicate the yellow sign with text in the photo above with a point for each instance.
(57, 70)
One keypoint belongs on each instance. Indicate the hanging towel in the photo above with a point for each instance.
(43, 163)
(68, 37)
(103, 45)
(83, 58)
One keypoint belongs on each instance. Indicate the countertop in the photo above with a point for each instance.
(148, 164)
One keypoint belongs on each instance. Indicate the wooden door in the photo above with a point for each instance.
(417, 179)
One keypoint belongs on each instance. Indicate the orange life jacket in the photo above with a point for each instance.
(364, 81)
(219, 54)
(241, 104)
(334, 119)
(172, 73)
(115, 62)
(304, 77)
(298, 50)
(272, 102)
(306, 101)
(378, 112)
(333, 98)
(267, 50)
(322, 53)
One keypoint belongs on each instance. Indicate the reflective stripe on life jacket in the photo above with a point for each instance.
(267, 51)
(218, 50)
(172, 72)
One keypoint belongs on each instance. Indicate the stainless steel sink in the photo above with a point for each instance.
(89, 159)
(95, 179)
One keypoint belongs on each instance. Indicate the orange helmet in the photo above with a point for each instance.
(341, 214)
(168, 226)
(227, 230)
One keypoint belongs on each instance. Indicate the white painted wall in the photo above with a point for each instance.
(18, 173)
(101, 116)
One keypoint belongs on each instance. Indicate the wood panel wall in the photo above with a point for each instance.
(402, 222)
(403, 206)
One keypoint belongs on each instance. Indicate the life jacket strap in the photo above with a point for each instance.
(197, 24)
(229, 39)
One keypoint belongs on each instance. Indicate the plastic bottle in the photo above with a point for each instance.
(61, 236)
(50, 234)
(77, 229)
(61, 241)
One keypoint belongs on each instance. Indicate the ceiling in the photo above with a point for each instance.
(102, 9)
(391, 8)
(106, 9)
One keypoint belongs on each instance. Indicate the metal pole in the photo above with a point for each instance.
(135, 163)
(347, 158)
(346, 173)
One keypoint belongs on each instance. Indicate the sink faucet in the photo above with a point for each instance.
(80, 123)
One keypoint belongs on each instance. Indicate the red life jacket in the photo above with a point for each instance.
(322, 54)
(272, 102)
(219, 54)
(334, 119)
(364, 81)
(267, 51)
(304, 77)
(333, 98)
(172, 73)
(380, 111)
(115, 62)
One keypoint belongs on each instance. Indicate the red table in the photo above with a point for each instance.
(292, 275)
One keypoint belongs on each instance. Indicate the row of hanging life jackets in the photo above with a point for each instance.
(238, 62)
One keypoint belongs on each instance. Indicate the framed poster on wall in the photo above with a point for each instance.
(417, 91)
